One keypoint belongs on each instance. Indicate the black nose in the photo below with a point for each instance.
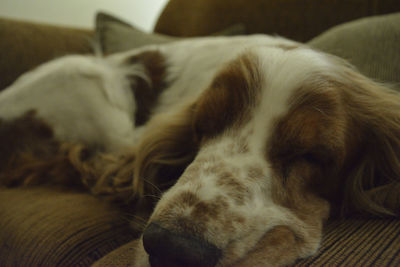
(166, 248)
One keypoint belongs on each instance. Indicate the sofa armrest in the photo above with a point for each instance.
(24, 45)
(300, 20)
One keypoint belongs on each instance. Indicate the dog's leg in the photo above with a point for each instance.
(31, 155)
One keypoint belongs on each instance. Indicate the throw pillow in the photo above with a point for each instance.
(115, 35)
(371, 44)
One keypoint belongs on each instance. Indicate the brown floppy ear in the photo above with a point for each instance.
(168, 146)
(372, 168)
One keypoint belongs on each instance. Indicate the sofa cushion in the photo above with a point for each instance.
(356, 242)
(115, 35)
(54, 227)
(370, 44)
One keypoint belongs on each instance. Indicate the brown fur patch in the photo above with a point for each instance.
(205, 211)
(254, 172)
(313, 131)
(306, 151)
(236, 190)
(187, 199)
(165, 151)
(339, 141)
(30, 155)
(230, 98)
(372, 170)
(231, 222)
(146, 94)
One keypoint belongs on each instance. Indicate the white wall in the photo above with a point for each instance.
(80, 13)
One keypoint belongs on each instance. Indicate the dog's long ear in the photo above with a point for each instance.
(372, 184)
(168, 146)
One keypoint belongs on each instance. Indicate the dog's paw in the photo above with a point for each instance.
(110, 176)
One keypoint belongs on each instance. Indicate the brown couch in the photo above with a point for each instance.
(43, 226)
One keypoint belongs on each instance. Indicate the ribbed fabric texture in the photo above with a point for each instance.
(351, 242)
(48, 227)
(123, 256)
(358, 242)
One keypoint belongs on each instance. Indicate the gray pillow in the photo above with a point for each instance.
(371, 44)
(115, 35)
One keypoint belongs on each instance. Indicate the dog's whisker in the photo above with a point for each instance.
(153, 185)
(153, 196)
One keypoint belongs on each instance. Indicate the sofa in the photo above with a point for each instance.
(49, 225)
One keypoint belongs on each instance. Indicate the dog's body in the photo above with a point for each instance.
(262, 134)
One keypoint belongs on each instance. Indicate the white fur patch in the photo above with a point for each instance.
(81, 97)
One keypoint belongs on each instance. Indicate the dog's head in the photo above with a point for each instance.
(283, 137)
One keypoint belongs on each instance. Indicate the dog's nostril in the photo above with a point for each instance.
(166, 248)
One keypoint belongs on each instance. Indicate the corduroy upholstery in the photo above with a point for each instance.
(358, 242)
(55, 227)
(355, 242)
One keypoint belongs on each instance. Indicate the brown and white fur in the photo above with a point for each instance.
(255, 140)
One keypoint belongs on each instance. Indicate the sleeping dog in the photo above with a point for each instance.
(250, 142)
